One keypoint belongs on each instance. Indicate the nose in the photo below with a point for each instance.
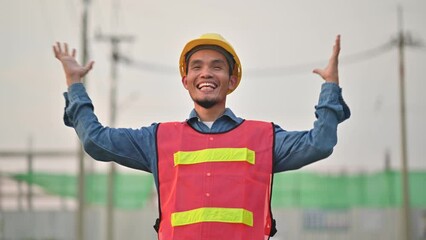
(206, 72)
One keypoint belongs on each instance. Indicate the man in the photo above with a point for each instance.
(213, 171)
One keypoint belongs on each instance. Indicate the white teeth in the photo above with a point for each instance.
(201, 85)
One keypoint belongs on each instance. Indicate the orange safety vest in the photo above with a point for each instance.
(215, 185)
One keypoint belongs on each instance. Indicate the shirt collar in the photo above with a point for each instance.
(193, 116)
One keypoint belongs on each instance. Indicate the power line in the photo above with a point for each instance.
(148, 66)
(281, 70)
(293, 69)
(368, 54)
(307, 67)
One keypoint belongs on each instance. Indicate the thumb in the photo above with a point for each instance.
(88, 66)
(318, 71)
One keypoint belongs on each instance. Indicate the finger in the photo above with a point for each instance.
(90, 64)
(88, 67)
(338, 39)
(58, 47)
(334, 59)
(66, 48)
(73, 53)
(55, 51)
(337, 46)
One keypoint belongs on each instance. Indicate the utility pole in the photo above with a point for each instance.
(81, 205)
(401, 41)
(404, 163)
(114, 40)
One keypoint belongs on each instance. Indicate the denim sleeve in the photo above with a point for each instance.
(295, 149)
(134, 148)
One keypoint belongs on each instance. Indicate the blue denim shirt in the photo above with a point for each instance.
(136, 148)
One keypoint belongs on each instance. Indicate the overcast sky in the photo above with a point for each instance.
(279, 43)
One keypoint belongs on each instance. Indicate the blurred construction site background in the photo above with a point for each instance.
(372, 187)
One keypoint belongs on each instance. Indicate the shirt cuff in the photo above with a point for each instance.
(76, 91)
(76, 95)
(66, 118)
(331, 96)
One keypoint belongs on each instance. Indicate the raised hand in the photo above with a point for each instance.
(74, 72)
(331, 72)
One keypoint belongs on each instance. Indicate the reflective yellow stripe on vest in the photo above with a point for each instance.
(225, 215)
(215, 155)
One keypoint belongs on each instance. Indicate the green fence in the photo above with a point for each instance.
(298, 189)
(131, 190)
(378, 190)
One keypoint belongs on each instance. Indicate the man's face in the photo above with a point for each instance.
(208, 80)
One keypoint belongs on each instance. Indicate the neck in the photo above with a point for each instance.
(210, 114)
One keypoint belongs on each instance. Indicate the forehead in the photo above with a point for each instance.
(207, 55)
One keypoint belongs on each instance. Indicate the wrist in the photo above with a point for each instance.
(335, 81)
(73, 80)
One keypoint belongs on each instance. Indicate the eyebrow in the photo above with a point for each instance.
(216, 61)
(194, 62)
(198, 61)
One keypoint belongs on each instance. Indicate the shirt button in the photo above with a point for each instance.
(211, 138)
(208, 174)
(207, 194)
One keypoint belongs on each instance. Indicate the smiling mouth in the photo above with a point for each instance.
(206, 86)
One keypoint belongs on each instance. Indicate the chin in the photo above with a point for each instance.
(206, 103)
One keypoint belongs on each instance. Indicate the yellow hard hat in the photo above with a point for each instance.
(215, 40)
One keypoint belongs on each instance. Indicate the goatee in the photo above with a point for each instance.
(206, 103)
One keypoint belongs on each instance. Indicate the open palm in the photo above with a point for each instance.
(331, 72)
(74, 72)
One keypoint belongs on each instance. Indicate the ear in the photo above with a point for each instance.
(184, 82)
(232, 84)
